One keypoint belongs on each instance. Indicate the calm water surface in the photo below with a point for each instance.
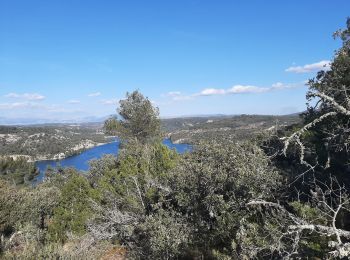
(81, 161)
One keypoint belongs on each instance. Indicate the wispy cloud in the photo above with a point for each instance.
(26, 96)
(177, 96)
(74, 101)
(27, 105)
(109, 101)
(246, 89)
(21, 105)
(95, 94)
(211, 92)
(234, 90)
(33, 109)
(237, 89)
(173, 93)
(321, 65)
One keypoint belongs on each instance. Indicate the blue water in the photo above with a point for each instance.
(81, 161)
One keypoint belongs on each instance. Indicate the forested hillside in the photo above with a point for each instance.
(194, 130)
(281, 195)
(48, 142)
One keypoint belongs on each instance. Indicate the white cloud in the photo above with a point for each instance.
(234, 90)
(95, 94)
(211, 91)
(109, 101)
(245, 89)
(26, 96)
(240, 89)
(173, 93)
(321, 65)
(177, 96)
(20, 105)
(24, 106)
(74, 101)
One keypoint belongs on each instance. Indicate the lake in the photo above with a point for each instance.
(81, 161)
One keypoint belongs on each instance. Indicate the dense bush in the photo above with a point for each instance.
(17, 171)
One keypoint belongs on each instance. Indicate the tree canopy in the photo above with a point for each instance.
(139, 119)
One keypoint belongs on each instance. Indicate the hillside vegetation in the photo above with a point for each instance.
(194, 130)
(48, 142)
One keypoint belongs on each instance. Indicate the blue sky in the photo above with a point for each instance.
(75, 59)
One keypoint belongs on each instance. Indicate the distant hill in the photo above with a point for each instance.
(93, 119)
(55, 141)
(194, 129)
(46, 140)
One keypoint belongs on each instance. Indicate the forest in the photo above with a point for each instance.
(282, 194)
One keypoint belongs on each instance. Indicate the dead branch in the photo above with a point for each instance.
(330, 200)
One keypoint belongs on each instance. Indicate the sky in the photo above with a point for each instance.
(74, 59)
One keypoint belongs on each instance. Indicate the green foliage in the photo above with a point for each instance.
(11, 201)
(99, 167)
(24, 216)
(310, 214)
(28, 244)
(141, 170)
(169, 235)
(182, 206)
(133, 191)
(330, 138)
(139, 119)
(73, 209)
(211, 185)
(17, 171)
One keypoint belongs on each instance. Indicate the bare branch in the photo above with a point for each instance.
(297, 134)
(334, 103)
(330, 200)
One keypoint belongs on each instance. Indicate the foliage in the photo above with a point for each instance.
(139, 119)
(212, 184)
(327, 136)
(11, 201)
(17, 171)
(169, 235)
(73, 209)
(139, 172)
(315, 159)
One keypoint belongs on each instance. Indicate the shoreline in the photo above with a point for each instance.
(62, 155)
(74, 154)
(56, 157)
